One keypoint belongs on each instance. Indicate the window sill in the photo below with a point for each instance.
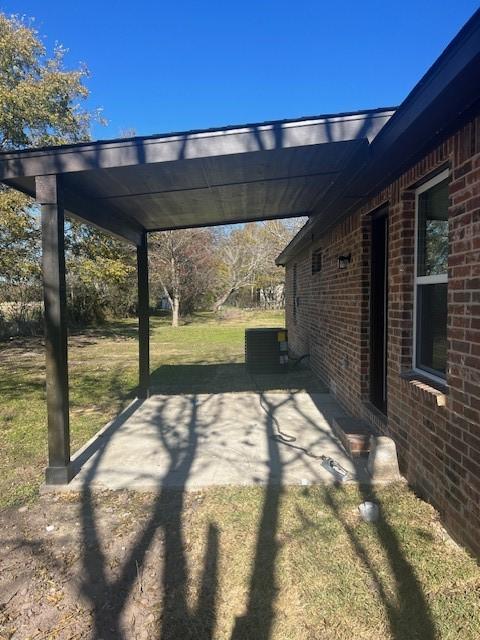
(433, 388)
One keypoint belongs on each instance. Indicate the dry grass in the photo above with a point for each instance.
(237, 564)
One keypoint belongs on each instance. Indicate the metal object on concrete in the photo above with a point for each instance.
(382, 461)
(335, 469)
(194, 441)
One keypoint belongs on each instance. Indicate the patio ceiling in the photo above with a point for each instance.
(199, 178)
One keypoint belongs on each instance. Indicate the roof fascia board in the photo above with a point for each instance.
(459, 54)
(106, 155)
(445, 85)
(379, 112)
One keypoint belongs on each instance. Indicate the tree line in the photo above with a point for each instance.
(43, 103)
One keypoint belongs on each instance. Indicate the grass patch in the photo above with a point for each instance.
(310, 568)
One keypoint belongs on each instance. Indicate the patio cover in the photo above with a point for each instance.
(206, 177)
(129, 187)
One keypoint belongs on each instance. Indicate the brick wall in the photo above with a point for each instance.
(329, 313)
(438, 446)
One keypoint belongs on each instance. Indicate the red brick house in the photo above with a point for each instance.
(383, 286)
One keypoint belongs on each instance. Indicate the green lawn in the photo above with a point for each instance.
(103, 376)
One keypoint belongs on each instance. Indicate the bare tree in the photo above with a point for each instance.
(280, 232)
(240, 256)
(270, 283)
(246, 258)
(188, 266)
(182, 267)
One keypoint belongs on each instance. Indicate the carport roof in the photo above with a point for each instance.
(204, 177)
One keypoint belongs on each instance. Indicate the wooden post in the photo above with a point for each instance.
(143, 319)
(48, 195)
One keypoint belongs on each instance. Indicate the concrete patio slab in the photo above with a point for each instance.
(194, 441)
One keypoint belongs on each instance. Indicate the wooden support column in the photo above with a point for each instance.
(48, 195)
(143, 319)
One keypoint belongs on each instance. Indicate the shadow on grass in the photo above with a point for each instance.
(91, 389)
(121, 330)
(108, 597)
(19, 385)
(222, 378)
(407, 609)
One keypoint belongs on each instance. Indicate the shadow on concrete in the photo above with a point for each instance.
(407, 610)
(102, 437)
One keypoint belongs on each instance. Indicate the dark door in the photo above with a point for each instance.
(378, 311)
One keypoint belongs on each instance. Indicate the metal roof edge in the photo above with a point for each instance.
(210, 131)
(468, 37)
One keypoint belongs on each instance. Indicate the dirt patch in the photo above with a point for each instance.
(46, 559)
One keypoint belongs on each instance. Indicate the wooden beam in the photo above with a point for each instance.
(263, 217)
(103, 216)
(143, 319)
(49, 196)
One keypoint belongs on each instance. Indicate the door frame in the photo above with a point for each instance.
(379, 300)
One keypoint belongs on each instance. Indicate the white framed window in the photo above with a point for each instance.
(431, 278)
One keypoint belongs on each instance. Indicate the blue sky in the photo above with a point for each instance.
(174, 65)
